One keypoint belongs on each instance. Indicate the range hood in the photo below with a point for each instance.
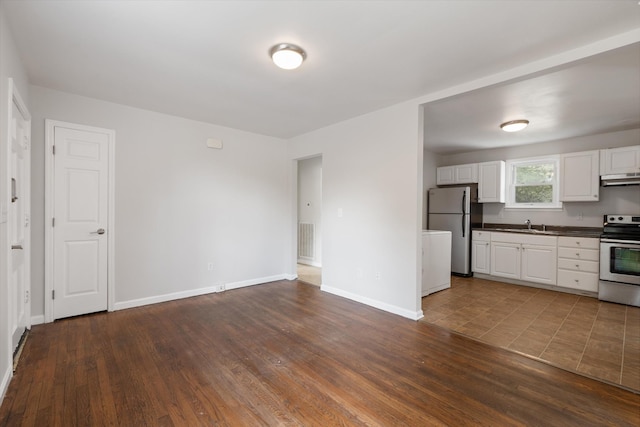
(620, 179)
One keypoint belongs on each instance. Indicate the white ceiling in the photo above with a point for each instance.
(207, 60)
(595, 95)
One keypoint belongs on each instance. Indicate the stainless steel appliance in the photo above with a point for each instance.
(456, 209)
(620, 260)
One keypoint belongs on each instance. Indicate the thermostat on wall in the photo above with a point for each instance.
(214, 143)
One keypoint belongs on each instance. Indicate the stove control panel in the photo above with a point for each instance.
(621, 219)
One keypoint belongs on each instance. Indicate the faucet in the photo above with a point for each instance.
(528, 222)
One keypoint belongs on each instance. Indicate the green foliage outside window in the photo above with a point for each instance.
(534, 183)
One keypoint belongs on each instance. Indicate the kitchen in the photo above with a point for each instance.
(591, 138)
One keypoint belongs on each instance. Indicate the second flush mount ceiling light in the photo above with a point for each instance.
(514, 125)
(287, 56)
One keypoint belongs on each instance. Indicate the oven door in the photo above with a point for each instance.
(620, 261)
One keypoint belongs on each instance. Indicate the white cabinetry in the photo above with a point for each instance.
(481, 252)
(578, 263)
(505, 259)
(436, 261)
(524, 257)
(539, 263)
(491, 188)
(620, 160)
(580, 177)
(458, 174)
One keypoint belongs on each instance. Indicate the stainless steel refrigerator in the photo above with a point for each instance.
(456, 209)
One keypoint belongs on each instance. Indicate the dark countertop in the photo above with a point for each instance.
(551, 230)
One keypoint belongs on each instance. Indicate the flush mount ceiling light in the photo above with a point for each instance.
(514, 125)
(287, 56)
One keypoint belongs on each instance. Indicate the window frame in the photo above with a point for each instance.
(511, 166)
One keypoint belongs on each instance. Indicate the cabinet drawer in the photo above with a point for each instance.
(579, 242)
(579, 253)
(481, 236)
(578, 280)
(524, 239)
(579, 265)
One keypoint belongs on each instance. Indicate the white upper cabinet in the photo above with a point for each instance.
(620, 160)
(458, 174)
(491, 186)
(580, 177)
(446, 175)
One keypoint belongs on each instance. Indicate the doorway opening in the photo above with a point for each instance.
(17, 213)
(309, 251)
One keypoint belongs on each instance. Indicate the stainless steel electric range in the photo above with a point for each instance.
(620, 260)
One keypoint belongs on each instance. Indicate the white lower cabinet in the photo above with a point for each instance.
(481, 252)
(539, 264)
(578, 263)
(506, 259)
(568, 262)
(524, 257)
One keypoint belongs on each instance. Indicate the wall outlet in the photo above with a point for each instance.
(579, 217)
(378, 275)
(360, 273)
(27, 296)
(220, 287)
(210, 266)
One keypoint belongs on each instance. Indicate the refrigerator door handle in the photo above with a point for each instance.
(464, 203)
(463, 225)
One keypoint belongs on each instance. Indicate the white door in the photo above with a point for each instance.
(18, 215)
(80, 221)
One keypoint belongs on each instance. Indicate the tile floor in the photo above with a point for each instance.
(577, 333)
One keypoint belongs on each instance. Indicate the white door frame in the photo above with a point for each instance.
(15, 98)
(50, 126)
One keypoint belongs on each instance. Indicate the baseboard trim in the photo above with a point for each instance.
(311, 263)
(4, 385)
(413, 315)
(123, 305)
(253, 282)
(37, 320)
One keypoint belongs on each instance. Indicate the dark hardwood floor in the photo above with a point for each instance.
(286, 353)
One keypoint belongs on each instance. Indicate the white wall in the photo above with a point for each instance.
(372, 174)
(619, 200)
(178, 204)
(10, 67)
(310, 202)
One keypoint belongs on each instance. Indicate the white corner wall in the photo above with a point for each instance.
(178, 204)
(371, 203)
(10, 67)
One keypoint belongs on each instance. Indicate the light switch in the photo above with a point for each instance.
(339, 212)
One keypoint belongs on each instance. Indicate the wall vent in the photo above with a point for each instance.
(306, 240)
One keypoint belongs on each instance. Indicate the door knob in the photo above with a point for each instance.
(98, 231)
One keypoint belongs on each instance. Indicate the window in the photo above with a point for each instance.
(533, 183)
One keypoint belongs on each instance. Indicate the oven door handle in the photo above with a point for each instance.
(626, 242)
